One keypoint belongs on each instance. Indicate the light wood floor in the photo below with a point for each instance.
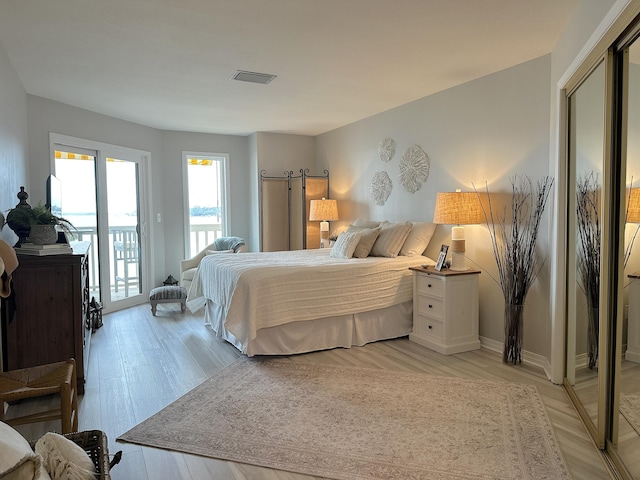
(140, 363)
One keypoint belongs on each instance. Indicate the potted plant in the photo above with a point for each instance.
(37, 224)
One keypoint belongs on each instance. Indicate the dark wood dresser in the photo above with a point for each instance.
(46, 319)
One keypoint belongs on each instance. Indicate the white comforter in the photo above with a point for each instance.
(260, 290)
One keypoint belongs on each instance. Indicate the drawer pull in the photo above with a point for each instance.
(428, 285)
(430, 327)
(430, 306)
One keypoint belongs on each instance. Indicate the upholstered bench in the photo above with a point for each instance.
(168, 294)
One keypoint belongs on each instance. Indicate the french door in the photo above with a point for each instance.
(102, 196)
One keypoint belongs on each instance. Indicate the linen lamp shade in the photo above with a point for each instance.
(324, 211)
(633, 209)
(457, 208)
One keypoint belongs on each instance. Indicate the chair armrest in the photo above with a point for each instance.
(191, 262)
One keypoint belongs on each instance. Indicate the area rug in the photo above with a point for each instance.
(630, 409)
(352, 423)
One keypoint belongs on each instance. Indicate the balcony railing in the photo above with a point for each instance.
(202, 235)
(124, 267)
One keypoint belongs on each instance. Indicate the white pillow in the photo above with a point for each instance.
(391, 239)
(64, 459)
(418, 239)
(368, 237)
(345, 245)
(361, 222)
(17, 460)
(215, 252)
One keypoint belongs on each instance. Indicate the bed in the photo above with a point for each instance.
(280, 303)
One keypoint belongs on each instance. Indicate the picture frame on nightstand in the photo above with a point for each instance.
(442, 257)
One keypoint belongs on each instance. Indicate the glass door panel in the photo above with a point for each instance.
(124, 228)
(76, 171)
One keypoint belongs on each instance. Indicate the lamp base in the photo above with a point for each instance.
(458, 262)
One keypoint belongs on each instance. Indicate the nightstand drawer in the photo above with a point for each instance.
(430, 285)
(431, 328)
(430, 307)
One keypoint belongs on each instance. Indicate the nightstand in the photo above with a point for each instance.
(445, 310)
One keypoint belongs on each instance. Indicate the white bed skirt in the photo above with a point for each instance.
(321, 334)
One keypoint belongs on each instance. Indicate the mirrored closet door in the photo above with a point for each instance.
(586, 106)
(625, 394)
(603, 257)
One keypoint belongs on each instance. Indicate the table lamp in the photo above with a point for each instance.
(633, 216)
(457, 208)
(323, 211)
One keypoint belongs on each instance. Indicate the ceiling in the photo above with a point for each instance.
(167, 63)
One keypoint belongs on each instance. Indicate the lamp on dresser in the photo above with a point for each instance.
(324, 211)
(457, 208)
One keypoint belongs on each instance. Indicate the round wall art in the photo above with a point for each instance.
(381, 187)
(414, 169)
(387, 149)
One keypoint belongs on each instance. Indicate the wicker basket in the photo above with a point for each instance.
(95, 443)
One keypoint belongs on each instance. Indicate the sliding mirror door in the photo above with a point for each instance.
(585, 280)
(625, 426)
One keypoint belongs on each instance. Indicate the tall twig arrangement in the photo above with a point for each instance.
(513, 239)
(588, 258)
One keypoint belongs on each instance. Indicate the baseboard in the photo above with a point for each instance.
(527, 357)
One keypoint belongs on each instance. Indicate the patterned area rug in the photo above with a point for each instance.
(352, 423)
(630, 409)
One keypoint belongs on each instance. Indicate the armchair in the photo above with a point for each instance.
(188, 266)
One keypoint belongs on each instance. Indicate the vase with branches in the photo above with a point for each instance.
(588, 256)
(514, 236)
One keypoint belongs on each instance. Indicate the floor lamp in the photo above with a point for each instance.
(457, 208)
(323, 211)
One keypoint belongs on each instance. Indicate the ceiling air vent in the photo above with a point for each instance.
(252, 77)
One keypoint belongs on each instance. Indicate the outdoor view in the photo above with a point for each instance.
(77, 175)
(205, 200)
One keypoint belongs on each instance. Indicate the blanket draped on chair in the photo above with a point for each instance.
(228, 243)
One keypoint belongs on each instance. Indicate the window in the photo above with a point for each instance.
(205, 199)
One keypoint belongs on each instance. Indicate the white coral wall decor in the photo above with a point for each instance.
(414, 169)
(381, 187)
(387, 149)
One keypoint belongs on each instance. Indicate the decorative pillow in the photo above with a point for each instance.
(17, 460)
(391, 239)
(368, 237)
(215, 252)
(418, 239)
(345, 245)
(361, 222)
(64, 459)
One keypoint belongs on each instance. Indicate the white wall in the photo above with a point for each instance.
(484, 131)
(239, 171)
(13, 140)
(272, 152)
(277, 153)
(48, 116)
